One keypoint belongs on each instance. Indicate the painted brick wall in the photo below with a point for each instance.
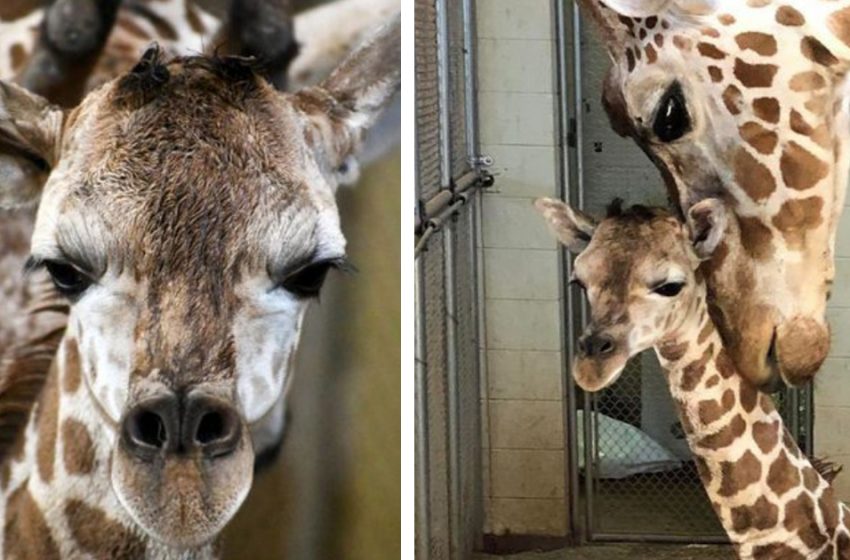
(523, 417)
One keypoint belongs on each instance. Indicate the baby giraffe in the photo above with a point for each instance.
(643, 274)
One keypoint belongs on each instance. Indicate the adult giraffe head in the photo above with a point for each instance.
(745, 101)
(187, 211)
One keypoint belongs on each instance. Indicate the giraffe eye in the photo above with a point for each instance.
(670, 289)
(68, 280)
(307, 282)
(672, 120)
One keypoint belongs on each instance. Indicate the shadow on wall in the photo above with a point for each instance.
(334, 490)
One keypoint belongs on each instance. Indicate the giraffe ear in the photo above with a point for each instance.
(29, 133)
(572, 227)
(349, 102)
(707, 221)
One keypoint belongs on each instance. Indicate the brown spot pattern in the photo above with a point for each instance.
(11, 10)
(800, 518)
(78, 448)
(767, 109)
(710, 411)
(71, 372)
(753, 176)
(715, 73)
(726, 436)
(776, 551)
(99, 535)
(808, 81)
(756, 238)
(735, 476)
(815, 51)
(673, 352)
(48, 425)
(759, 137)
(783, 475)
(786, 15)
(26, 533)
(726, 19)
(732, 98)
(693, 372)
(755, 75)
(710, 51)
(761, 515)
(819, 135)
(766, 435)
(839, 24)
(761, 43)
(801, 170)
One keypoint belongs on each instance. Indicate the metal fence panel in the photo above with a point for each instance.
(433, 264)
(469, 393)
(457, 89)
(428, 167)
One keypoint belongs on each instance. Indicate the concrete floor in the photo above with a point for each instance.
(625, 552)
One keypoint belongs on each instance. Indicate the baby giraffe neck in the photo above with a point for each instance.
(771, 501)
(57, 500)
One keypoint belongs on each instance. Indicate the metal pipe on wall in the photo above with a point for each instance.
(422, 521)
(444, 92)
(453, 390)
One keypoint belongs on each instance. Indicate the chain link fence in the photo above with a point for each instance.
(448, 431)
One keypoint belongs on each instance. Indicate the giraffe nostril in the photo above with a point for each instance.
(151, 429)
(211, 428)
(606, 347)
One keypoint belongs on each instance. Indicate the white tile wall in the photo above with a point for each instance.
(524, 467)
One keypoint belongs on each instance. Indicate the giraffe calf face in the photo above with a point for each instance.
(189, 217)
(637, 269)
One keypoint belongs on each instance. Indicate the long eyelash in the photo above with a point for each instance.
(344, 265)
(33, 265)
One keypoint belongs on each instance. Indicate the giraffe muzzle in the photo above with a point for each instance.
(178, 424)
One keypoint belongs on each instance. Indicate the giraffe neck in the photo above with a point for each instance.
(771, 501)
(57, 500)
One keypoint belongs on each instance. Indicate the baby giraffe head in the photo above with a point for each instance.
(187, 212)
(639, 270)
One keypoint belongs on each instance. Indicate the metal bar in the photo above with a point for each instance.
(471, 82)
(453, 391)
(435, 223)
(443, 199)
(809, 421)
(671, 539)
(566, 294)
(423, 491)
(577, 198)
(481, 331)
(444, 92)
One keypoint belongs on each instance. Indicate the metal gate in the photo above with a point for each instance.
(631, 474)
(448, 320)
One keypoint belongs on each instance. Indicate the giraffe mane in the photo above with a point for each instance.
(24, 371)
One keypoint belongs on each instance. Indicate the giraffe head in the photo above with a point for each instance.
(744, 101)
(639, 269)
(187, 211)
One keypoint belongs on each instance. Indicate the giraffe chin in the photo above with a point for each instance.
(596, 374)
(802, 345)
(183, 501)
